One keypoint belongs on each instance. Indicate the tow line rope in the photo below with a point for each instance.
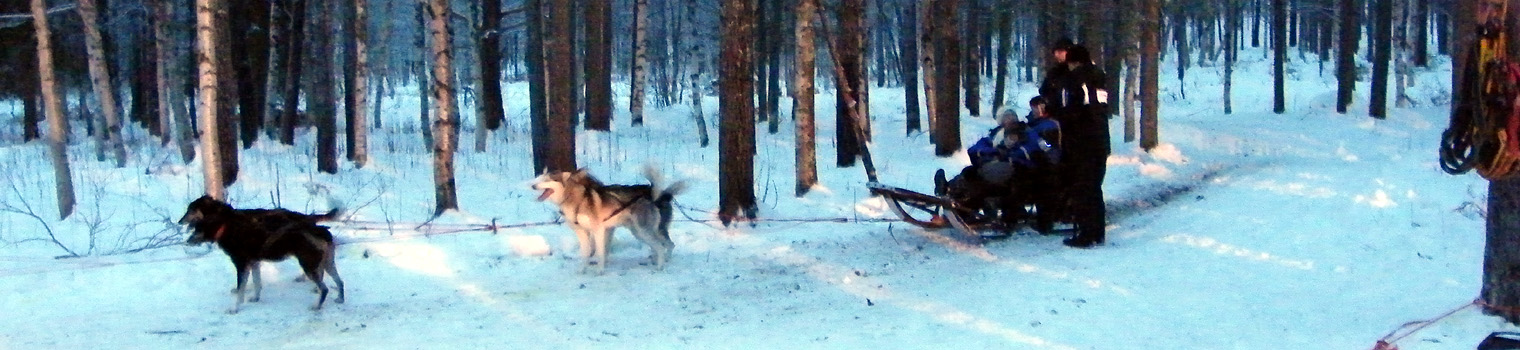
(445, 229)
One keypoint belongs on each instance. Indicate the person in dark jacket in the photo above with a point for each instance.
(1049, 90)
(1079, 102)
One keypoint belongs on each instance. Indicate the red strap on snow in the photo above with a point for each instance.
(1387, 342)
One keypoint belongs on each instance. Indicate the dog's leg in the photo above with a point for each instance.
(662, 248)
(332, 269)
(601, 235)
(313, 268)
(258, 282)
(242, 278)
(584, 237)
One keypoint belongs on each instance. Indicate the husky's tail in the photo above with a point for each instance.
(663, 194)
(336, 213)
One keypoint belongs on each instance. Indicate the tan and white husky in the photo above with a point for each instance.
(593, 210)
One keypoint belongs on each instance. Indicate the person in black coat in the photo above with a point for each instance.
(1078, 100)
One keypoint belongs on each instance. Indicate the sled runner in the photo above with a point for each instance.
(941, 211)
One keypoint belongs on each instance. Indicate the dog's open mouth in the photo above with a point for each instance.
(547, 192)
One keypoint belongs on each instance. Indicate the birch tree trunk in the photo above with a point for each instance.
(207, 98)
(640, 61)
(100, 79)
(802, 104)
(697, 70)
(358, 148)
(58, 126)
(443, 102)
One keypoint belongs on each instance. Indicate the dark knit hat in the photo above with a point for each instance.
(1078, 54)
(1063, 44)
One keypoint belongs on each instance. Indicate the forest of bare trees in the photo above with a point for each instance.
(302, 64)
(204, 77)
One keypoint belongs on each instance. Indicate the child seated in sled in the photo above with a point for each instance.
(1015, 165)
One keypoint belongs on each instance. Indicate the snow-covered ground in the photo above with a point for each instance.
(1253, 230)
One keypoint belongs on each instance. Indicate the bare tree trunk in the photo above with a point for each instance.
(802, 104)
(736, 147)
(253, 66)
(160, 15)
(208, 91)
(598, 71)
(293, 72)
(358, 147)
(424, 74)
(58, 126)
(560, 63)
(1421, 32)
(173, 74)
(537, 94)
(443, 101)
(1005, 41)
(1402, 59)
(1132, 88)
(772, 101)
(1230, 12)
(279, 32)
(1381, 55)
(101, 80)
(227, 86)
(971, 56)
(1345, 56)
(908, 45)
(926, 38)
(31, 93)
(947, 73)
(640, 61)
(1279, 54)
(1150, 74)
(847, 49)
(490, 104)
(694, 63)
(1500, 293)
(321, 101)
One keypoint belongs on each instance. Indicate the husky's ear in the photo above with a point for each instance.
(580, 173)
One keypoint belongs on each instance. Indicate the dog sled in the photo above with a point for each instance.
(936, 211)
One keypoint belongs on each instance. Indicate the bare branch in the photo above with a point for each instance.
(15, 19)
